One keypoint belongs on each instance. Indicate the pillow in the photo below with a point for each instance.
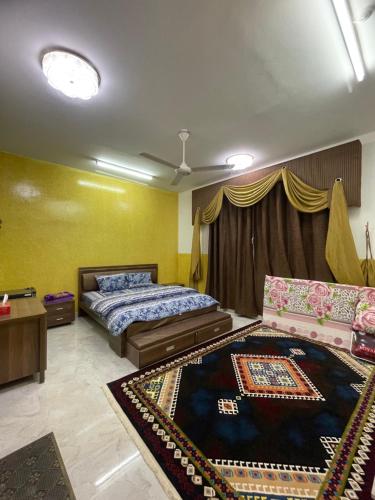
(364, 319)
(137, 279)
(111, 282)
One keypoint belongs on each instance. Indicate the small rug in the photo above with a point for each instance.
(35, 471)
(256, 414)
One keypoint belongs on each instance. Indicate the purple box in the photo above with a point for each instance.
(55, 298)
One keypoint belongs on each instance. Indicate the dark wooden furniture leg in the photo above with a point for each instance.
(81, 312)
(42, 348)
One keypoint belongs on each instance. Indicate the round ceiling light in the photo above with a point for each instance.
(240, 162)
(71, 74)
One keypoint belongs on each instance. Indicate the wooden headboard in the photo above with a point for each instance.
(87, 281)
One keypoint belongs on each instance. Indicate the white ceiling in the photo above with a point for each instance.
(268, 77)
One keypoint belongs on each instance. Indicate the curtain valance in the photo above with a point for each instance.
(341, 253)
(303, 197)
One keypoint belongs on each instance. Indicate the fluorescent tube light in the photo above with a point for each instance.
(348, 32)
(108, 174)
(123, 170)
(100, 186)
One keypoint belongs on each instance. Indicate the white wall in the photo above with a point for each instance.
(357, 216)
(185, 227)
(366, 213)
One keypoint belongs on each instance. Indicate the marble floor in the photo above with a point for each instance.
(101, 459)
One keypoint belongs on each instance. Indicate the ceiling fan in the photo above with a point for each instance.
(184, 169)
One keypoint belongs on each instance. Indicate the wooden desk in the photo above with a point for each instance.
(23, 340)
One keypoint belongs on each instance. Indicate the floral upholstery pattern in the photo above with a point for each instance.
(320, 301)
(322, 311)
(278, 294)
(323, 301)
(364, 320)
(111, 282)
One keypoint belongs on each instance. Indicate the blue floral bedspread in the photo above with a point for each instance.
(147, 303)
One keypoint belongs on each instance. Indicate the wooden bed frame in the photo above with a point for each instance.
(87, 283)
(138, 342)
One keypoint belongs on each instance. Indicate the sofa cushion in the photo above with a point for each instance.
(364, 319)
(314, 309)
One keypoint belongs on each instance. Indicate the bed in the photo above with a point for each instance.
(152, 321)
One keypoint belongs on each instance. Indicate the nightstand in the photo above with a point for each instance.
(174, 283)
(60, 313)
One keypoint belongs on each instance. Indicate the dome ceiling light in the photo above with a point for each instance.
(241, 161)
(70, 74)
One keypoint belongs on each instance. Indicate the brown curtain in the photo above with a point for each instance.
(270, 237)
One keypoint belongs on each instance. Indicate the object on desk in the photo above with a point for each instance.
(20, 293)
(56, 298)
(4, 306)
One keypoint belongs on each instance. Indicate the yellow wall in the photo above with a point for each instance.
(184, 270)
(51, 225)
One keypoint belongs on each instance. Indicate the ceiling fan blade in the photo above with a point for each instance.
(158, 160)
(177, 179)
(211, 167)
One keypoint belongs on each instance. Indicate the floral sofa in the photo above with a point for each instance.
(326, 312)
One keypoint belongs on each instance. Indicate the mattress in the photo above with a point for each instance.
(90, 297)
(152, 303)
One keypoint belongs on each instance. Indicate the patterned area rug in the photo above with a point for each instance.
(258, 414)
(35, 471)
